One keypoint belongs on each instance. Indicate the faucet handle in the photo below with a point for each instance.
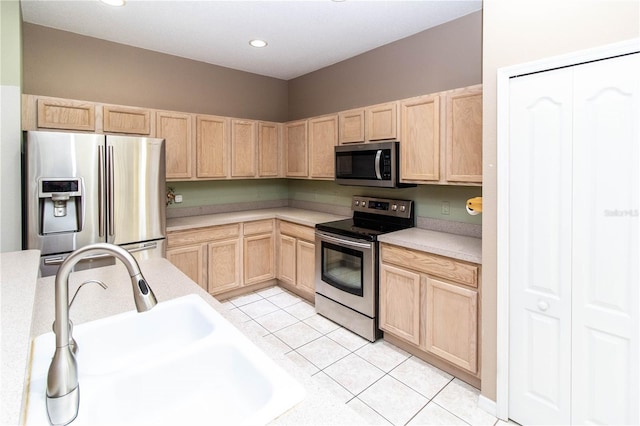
(100, 283)
(73, 345)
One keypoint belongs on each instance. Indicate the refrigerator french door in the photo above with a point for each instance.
(81, 189)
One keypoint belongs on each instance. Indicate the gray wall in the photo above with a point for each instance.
(67, 65)
(441, 58)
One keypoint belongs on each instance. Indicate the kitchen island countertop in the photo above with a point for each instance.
(93, 302)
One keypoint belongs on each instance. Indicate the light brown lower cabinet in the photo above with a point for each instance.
(224, 258)
(431, 302)
(199, 251)
(296, 258)
(259, 251)
(190, 260)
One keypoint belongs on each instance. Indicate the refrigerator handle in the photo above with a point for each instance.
(110, 190)
(101, 188)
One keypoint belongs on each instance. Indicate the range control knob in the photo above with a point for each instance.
(357, 203)
(394, 207)
(403, 208)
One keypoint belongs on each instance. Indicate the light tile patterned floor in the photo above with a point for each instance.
(384, 384)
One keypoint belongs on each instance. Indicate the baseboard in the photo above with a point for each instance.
(488, 405)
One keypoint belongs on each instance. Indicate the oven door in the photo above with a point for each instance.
(345, 271)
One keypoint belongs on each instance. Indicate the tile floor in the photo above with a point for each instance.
(384, 384)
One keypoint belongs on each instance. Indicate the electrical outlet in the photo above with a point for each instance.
(178, 198)
(446, 209)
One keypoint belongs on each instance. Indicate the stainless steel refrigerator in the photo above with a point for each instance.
(83, 188)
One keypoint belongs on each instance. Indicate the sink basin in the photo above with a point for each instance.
(179, 363)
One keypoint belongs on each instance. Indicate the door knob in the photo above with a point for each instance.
(542, 305)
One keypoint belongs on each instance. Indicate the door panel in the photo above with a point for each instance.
(605, 246)
(540, 241)
(137, 197)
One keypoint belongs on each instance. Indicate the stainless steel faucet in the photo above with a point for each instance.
(63, 392)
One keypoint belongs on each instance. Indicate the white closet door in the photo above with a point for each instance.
(606, 227)
(540, 248)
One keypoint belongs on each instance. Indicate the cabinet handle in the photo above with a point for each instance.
(542, 305)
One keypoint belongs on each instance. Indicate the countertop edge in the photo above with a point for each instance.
(18, 277)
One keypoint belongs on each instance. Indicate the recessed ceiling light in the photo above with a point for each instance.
(113, 2)
(258, 43)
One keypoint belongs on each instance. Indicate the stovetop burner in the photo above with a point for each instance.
(373, 217)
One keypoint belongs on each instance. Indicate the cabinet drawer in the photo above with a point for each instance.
(258, 227)
(431, 264)
(201, 235)
(298, 231)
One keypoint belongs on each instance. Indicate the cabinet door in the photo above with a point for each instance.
(452, 323)
(323, 137)
(287, 259)
(351, 125)
(420, 145)
(382, 121)
(259, 260)
(190, 260)
(212, 142)
(66, 114)
(243, 148)
(295, 140)
(400, 303)
(464, 135)
(224, 262)
(306, 261)
(268, 149)
(176, 129)
(116, 119)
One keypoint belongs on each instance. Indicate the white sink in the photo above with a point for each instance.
(179, 363)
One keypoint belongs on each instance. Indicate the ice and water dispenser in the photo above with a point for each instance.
(60, 205)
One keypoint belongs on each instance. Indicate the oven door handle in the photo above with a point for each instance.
(343, 242)
(377, 164)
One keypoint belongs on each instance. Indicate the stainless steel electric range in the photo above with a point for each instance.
(347, 262)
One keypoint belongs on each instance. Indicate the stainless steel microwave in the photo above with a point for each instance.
(369, 164)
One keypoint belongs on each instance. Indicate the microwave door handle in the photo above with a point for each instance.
(377, 163)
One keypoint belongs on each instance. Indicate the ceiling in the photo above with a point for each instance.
(303, 36)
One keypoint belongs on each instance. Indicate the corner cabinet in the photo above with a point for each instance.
(296, 149)
(244, 149)
(269, 148)
(429, 305)
(259, 251)
(296, 258)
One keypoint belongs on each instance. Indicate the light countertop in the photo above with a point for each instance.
(18, 275)
(455, 246)
(299, 216)
(167, 282)
(442, 243)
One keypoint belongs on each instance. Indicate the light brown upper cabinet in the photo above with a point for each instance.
(269, 149)
(177, 131)
(65, 114)
(296, 148)
(464, 135)
(351, 126)
(117, 119)
(382, 121)
(420, 146)
(442, 137)
(244, 148)
(212, 146)
(323, 137)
